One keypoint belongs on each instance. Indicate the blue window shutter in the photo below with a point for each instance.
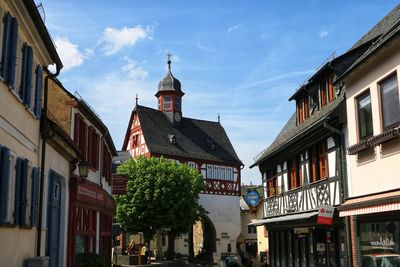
(38, 91)
(28, 76)
(17, 202)
(22, 90)
(35, 196)
(5, 56)
(13, 52)
(5, 180)
(24, 189)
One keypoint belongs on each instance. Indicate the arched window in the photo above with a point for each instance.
(167, 103)
(177, 103)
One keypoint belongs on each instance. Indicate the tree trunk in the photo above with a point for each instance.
(171, 246)
(160, 253)
(191, 245)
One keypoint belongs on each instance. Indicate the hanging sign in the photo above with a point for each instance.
(325, 215)
(252, 197)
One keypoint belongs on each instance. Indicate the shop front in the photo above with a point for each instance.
(90, 221)
(374, 226)
(302, 242)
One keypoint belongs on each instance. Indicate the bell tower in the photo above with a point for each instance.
(170, 95)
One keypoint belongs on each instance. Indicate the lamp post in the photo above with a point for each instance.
(140, 249)
(83, 168)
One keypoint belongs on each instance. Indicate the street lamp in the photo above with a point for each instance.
(83, 168)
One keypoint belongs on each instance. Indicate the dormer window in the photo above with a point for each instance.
(172, 138)
(326, 90)
(303, 108)
(167, 103)
(211, 144)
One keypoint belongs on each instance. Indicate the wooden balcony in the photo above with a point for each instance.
(221, 187)
(305, 198)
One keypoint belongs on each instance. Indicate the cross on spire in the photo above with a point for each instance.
(169, 56)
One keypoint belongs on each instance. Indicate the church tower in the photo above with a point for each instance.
(169, 96)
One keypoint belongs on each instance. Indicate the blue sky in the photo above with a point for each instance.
(242, 59)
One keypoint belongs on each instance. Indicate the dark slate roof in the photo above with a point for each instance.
(193, 138)
(290, 132)
(169, 83)
(122, 157)
(381, 27)
(392, 32)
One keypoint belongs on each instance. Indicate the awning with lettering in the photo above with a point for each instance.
(284, 218)
(371, 209)
(383, 202)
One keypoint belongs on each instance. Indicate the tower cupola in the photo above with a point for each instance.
(169, 96)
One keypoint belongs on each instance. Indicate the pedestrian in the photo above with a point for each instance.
(131, 247)
(144, 252)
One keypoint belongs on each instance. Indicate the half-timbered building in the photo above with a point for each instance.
(203, 145)
(303, 169)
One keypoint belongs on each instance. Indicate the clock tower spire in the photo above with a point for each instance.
(170, 95)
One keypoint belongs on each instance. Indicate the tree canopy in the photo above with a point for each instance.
(160, 194)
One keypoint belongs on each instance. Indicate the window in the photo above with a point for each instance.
(38, 91)
(93, 148)
(4, 183)
(331, 89)
(106, 164)
(167, 103)
(390, 101)
(80, 134)
(364, 113)
(251, 229)
(323, 93)
(25, 91)
(177, 103)
(314, 174)
(210, 171)
(323, 160)
(303, 108)
(134, 140)
(272, 182)
(293, 174)
(20, 197)
(9, 51)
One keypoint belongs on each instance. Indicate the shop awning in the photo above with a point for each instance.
(383, 202)
(284, 218)
(371, 209)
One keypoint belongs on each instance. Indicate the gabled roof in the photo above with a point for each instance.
(381, 27)
(193, 138)
(291, 132)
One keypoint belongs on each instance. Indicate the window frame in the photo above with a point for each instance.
(357, 99)
(379, 85)
(167, 104)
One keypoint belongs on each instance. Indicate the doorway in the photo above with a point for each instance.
(53, 220)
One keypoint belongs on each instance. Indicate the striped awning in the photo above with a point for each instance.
(371, 209)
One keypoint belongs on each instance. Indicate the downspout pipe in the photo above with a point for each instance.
(43, 127)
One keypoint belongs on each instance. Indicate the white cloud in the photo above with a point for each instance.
(69, 53)
(133, 71)
(235, 27)
(116, 39)
(323, 34)
(206, 48)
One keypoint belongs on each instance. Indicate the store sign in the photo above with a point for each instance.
(252, 197)
(383, 243)
(325, 215)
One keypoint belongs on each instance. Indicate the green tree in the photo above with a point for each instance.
(161, 195)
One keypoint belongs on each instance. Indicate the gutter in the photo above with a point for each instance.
(44, 134)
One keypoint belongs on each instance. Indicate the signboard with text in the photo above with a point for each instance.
(252, 197)
(325, 215)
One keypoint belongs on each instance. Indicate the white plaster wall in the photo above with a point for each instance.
(373, 171)
(224, 212)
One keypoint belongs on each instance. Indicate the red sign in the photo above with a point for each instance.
(325, 215)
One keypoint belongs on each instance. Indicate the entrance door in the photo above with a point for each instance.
(53, 220)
